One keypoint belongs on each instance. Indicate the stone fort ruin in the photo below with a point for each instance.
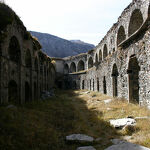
(119, 66)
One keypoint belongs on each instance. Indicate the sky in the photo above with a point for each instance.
(87, 20)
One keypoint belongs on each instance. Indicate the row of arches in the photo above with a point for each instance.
(136, 21)
(133, 81)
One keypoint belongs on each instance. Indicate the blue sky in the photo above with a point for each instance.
(87, 20)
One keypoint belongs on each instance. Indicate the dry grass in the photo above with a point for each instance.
(43, 125)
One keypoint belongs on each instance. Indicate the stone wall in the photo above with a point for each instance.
(121, 61)
(25, 71)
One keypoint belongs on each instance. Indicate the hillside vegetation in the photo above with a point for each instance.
(43, 125)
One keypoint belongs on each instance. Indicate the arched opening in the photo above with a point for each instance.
(72, 67)
(66, 69)
(12, 92)
(83, 85)
(90, 84)
(90, 63)
(53, 75)
(96, 59)
(27, 92)
(105, 51)
(93, 85)
(35, 91)
(136, 21)
(36, 64)
(81, 65)
(97, 84)
(14, 50)
(104, 85)
(115, 80)
(74, 85)
(133, 74)
(121, 35)
(28, 61)
(100, 55)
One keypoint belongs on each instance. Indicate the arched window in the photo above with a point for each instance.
(66, 69)
(14, 50)
(121, 35)
(73, 67)
(28, 61)
(105, 51)
(100, 55)
(81, 65)
(90, 63)
(136, 21)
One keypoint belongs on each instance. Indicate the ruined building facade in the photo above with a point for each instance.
(119, 66)
(25, 71)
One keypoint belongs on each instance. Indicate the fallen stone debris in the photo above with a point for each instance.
(121, 123)
(79, 138)
(123, 145)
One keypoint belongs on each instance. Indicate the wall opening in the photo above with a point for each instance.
(90, 63)
(136, 21)
(96, 59)
(66, 69)
(36, 64)
(93, 85)
(14, 50)
(27, 92)
(100, 55)
(115, 80)
(90, 84)
(72, 67)
(83, 85)
(105, 51)
(35, 91)
(97, 84)
(28, 61)
(133, 74)
(81, 65)
(104, 85)
(121, 35)
(12, 92)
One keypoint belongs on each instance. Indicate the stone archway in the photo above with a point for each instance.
(121, 35)
(81, 65)
(136, 21)
(133, 75)
(90, 63)
(104, 85)
(115, 80)
(66, 69)
(72, 67)
(13, 92)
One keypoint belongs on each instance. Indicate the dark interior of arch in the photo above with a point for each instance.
(104, 85)
(28, 61)
(27, 91)
(12, 92)
(83, 84)
(14, 50)
(133, 73)
(90, 62)
(96, 58)
(81, 65)
(97, 84)
(73, 67)
(100, 56)
(105, 51)
(115, 80)
(66, 69)
(36, 64)
(121, 35)
(136, 21)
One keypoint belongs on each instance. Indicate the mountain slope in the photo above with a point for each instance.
(58, 47)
